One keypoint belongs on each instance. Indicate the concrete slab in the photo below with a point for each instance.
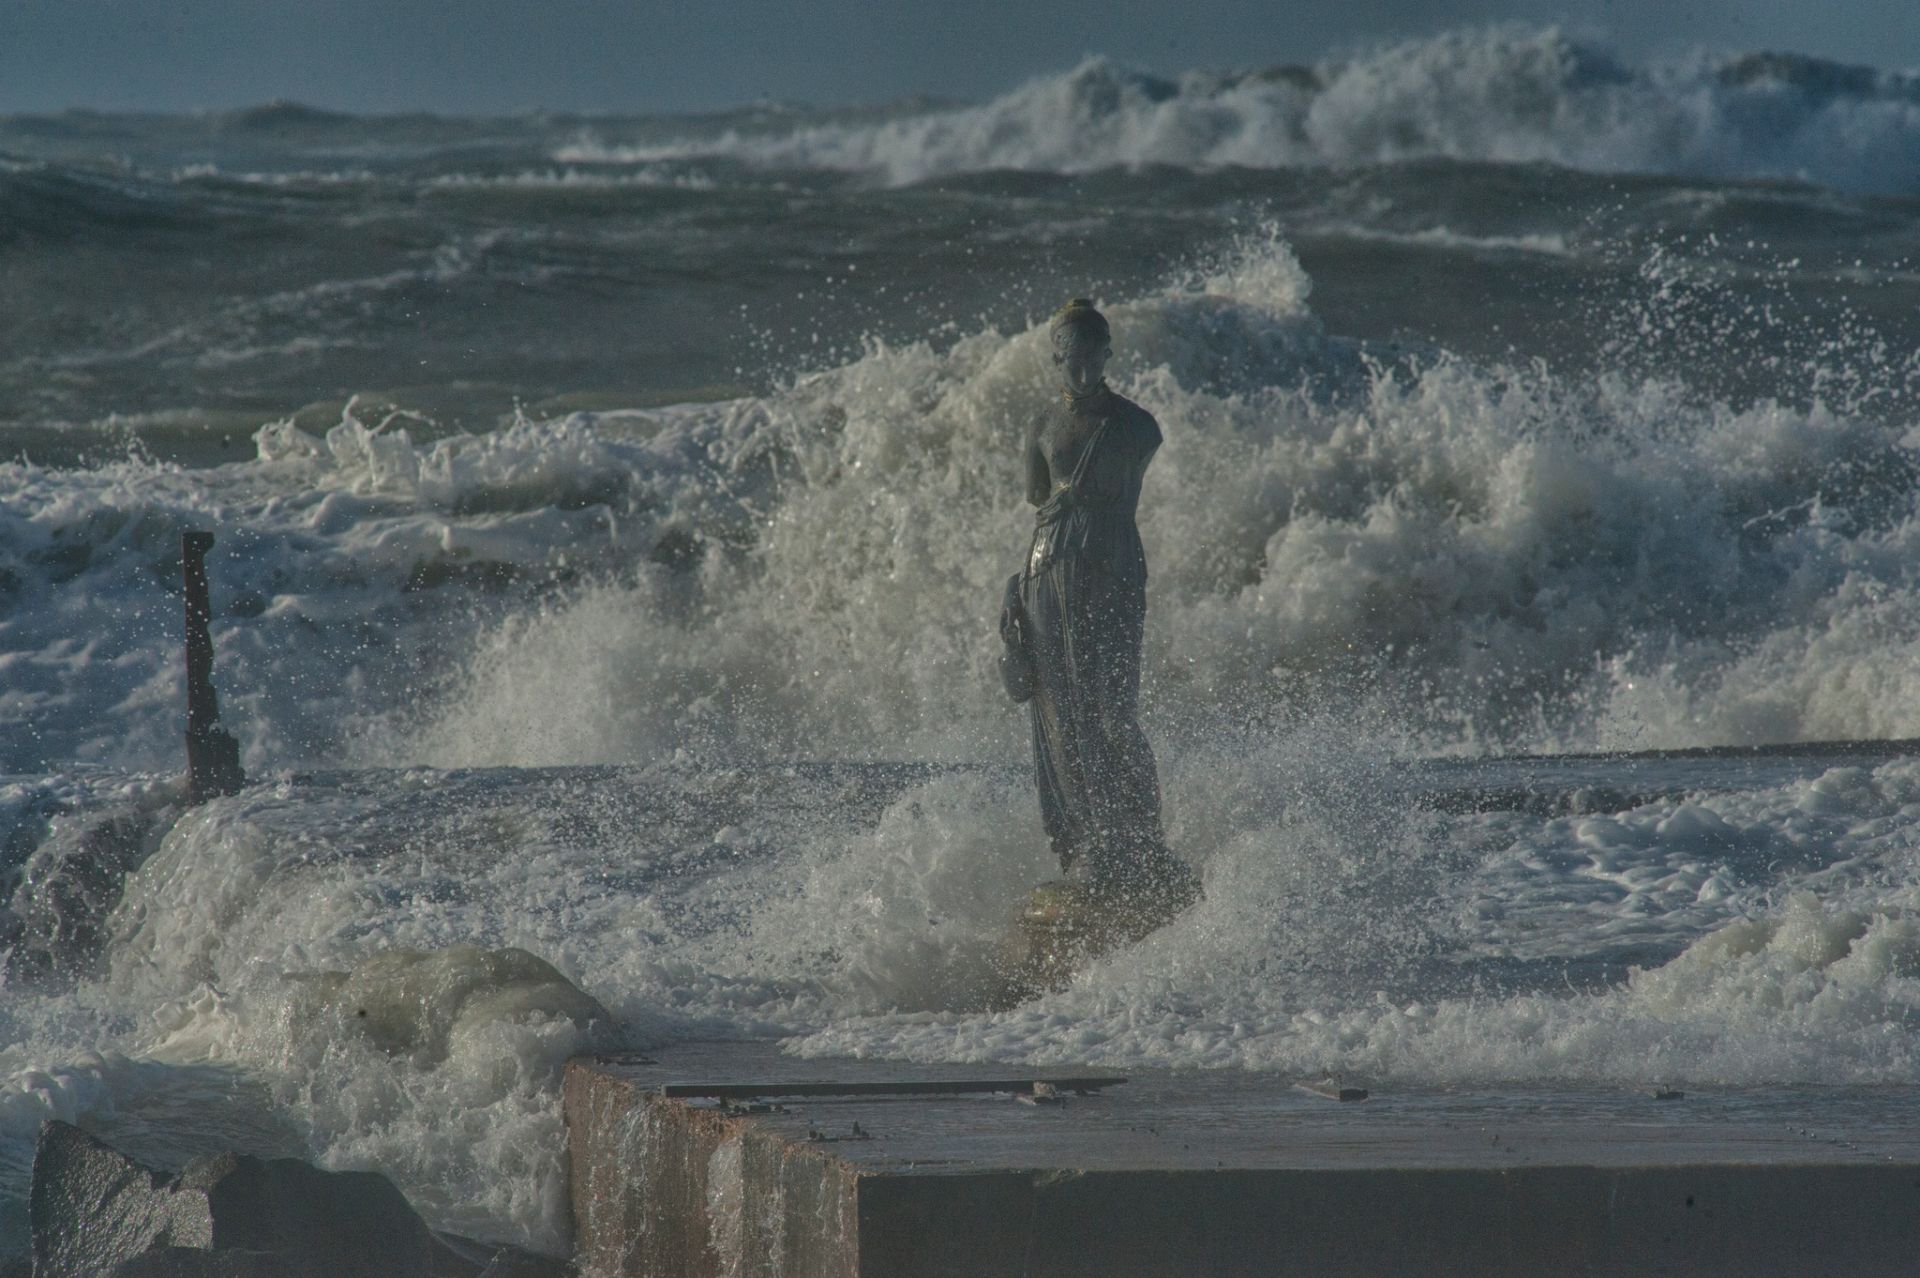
(1221, 1173)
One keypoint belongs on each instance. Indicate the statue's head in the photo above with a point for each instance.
(1082, 345)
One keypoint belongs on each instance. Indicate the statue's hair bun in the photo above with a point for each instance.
(1078, 318)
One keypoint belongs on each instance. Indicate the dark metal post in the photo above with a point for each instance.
(213, 756)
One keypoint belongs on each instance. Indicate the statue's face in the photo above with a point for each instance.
(1083, 363)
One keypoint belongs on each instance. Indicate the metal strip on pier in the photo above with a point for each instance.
(885, 1087)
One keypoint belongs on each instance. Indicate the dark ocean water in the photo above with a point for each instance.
(1510, 195)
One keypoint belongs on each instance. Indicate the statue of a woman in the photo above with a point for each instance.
(1084, 595)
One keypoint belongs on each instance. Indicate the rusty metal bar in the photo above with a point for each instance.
(886, 1087)
(213, 756)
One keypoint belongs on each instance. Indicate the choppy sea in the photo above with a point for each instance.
(610, 513)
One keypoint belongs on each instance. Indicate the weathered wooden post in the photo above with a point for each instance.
(213, 756)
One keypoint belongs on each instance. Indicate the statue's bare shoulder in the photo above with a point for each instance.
(1142, 431)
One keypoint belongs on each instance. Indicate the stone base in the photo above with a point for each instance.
(1219, 1174)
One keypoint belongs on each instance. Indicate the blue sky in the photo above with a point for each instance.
(510, 55)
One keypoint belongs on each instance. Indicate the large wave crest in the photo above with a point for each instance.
(1506, 94)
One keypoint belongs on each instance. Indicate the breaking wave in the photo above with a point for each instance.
(1476, 557)
(1507, 95)
(1480, 558)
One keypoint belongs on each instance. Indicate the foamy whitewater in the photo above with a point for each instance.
(611, 516)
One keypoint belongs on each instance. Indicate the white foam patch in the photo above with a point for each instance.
(914, 913)
(1304, 960)
(365, 1037)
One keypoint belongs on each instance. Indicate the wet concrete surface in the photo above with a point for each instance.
(1223, 1172)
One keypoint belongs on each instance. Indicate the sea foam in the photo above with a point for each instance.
(1479, 556)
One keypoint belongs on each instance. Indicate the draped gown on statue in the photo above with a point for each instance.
(1085, 598)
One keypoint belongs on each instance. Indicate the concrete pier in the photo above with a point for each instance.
(727, 1159)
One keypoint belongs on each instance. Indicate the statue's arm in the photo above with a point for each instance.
(1039, 477)
(1149, 438)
